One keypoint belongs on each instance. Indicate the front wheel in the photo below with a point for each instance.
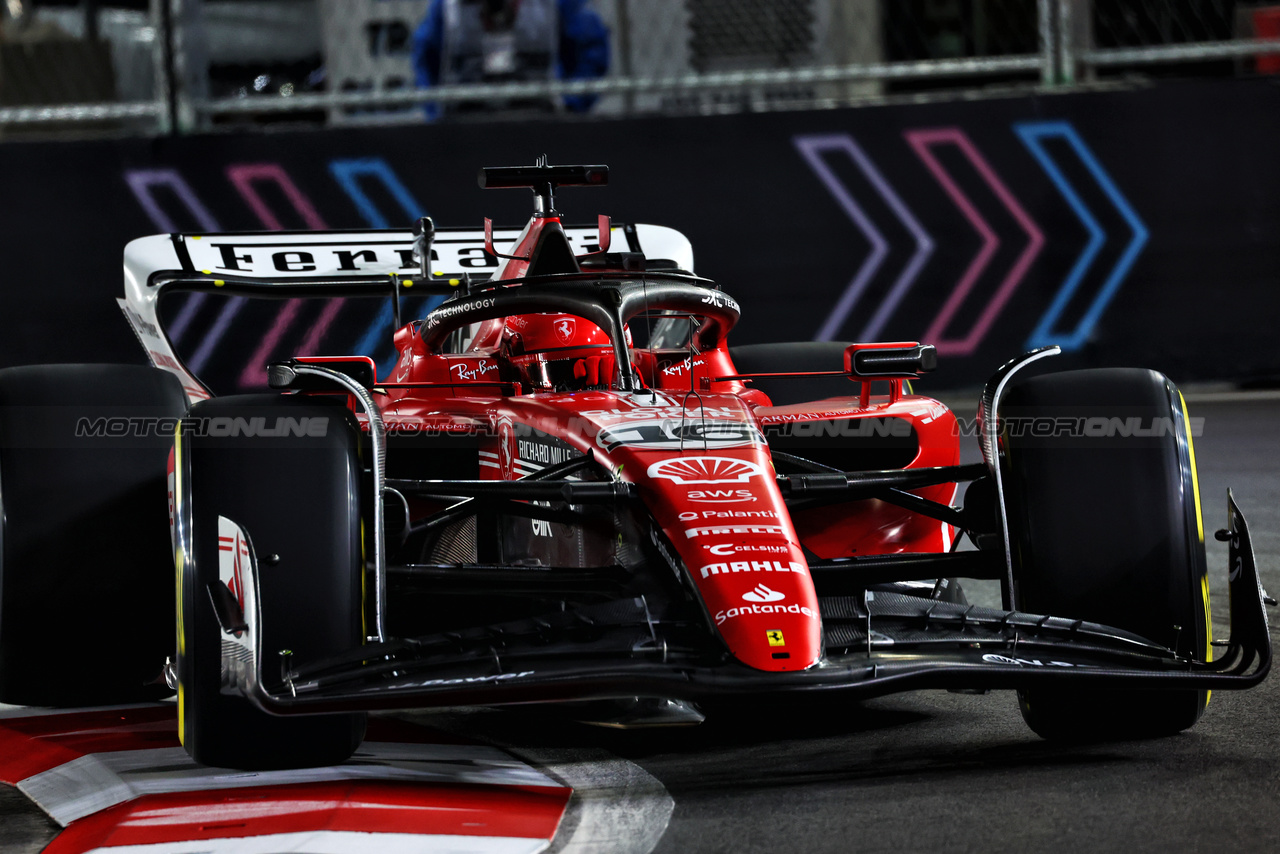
(1105, 525)
(287, 472)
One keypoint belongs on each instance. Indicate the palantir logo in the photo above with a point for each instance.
(763, 594)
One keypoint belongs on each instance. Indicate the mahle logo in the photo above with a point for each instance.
(752, 566)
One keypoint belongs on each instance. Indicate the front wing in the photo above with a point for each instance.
(876, 644)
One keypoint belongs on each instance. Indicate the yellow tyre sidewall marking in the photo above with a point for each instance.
(1204, 579)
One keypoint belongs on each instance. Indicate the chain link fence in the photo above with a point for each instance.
(64, 69)
(162, 65)
(1176, 37)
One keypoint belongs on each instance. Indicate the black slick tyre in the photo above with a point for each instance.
(1105, 526)
(296, 494)
(85, 578)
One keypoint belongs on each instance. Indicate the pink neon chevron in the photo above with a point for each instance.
(242, 177)
(310, 345)
(921, 140)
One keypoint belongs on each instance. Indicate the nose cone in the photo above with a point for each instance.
(704, 472)
(729, 524)
(759, 594)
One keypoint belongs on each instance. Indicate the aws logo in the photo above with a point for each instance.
(721, 496)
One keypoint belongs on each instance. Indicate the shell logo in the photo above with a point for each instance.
(690, 470)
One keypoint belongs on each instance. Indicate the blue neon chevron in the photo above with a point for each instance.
(347, 171)
(377, 337)
(1033, 134)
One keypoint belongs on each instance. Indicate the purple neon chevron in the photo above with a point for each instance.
(924, 246)
(141, 181)
(922, 141)
(242, 177)
(812, 147)
(209, 343)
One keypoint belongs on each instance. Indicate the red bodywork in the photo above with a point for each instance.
(716, 501)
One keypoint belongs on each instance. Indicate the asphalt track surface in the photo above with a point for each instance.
(927, 770)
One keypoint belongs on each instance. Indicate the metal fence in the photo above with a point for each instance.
(183, 65)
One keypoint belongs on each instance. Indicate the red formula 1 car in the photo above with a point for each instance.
(569, 487)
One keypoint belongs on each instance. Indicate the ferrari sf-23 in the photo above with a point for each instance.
(570, 488)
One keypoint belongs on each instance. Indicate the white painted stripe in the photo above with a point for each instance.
(95, 782)
(76, 789)
(487, 463)
(340, 842)
(616, 807)
(493, 455)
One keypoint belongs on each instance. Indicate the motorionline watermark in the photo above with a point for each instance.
(1083, 426)
(218, 427)
(284, 427)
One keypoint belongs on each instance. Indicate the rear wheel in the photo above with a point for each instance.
(1105, 526)
(296, 495)
(85, 583)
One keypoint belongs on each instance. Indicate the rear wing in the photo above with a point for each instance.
(288, 264)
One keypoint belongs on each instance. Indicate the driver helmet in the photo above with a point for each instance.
(544, 332)
(576, 353)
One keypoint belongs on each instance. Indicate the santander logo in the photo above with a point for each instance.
(763, 594)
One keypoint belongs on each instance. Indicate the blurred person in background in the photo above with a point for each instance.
(503, 41)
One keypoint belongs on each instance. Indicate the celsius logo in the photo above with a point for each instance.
(687, 470)
(730, 549)
(763, 594)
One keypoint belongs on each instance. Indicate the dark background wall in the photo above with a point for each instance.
(1135, 227)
